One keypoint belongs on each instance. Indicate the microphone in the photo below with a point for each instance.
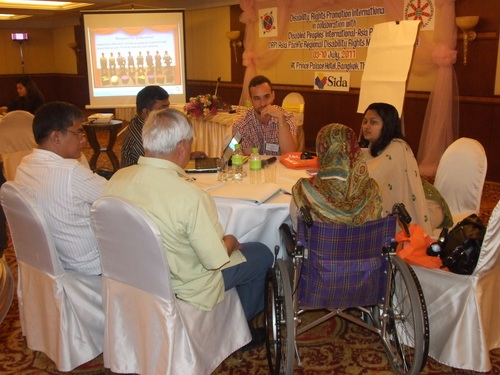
(268, 161)
(217, 86)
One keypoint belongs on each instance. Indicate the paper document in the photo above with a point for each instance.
(254, 193)
(387, 64)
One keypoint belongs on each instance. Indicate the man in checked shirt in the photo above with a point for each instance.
(266, 126)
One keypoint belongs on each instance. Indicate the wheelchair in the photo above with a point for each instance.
(352, 272)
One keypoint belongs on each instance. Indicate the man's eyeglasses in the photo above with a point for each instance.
(79, 132)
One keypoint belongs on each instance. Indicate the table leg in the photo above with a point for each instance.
(96, 147)
(109, 148)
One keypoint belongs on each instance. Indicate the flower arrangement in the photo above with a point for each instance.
(204, 106)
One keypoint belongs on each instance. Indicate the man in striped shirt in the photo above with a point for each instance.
(63, 188)
(150, 98)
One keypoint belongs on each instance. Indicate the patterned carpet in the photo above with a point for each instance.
(334, 347)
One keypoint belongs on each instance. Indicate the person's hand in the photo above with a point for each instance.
(231, 243)
(272, 111)
(198, 155)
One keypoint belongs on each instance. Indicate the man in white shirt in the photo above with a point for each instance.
(63, 188)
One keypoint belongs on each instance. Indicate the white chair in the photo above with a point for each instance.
(294, 103)
(16, 140)
(148, 330)
(460, 177)
(463, 310)
(61, 312)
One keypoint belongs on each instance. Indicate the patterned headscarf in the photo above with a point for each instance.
(342, 191)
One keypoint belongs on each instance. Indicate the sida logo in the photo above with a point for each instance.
(320, 81)
(332, 81)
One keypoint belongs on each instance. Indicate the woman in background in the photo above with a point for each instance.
(392, 164)
(342, 191)
(29, 97)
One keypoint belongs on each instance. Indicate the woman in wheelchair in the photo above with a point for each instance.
(342, 191)
(342, 261)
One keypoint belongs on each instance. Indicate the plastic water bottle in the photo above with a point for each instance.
(237, 162)
(255, 162)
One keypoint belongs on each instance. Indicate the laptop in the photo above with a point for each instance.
(209, 165)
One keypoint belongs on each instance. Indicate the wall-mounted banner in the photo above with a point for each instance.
(268, 21)
(332, 81)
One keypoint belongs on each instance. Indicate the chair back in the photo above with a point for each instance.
(490, 249)
(460, 175)
(11, 161)
(129, 240)
(16, 132)
(16, 140)
(148, 330)
(340, 255)
(33, 243)
(294, 103)
(60, 312)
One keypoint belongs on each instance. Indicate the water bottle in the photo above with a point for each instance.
(255, 166)
(237, 162)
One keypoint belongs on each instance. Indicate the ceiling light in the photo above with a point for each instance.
(13, 17)
(41, 5)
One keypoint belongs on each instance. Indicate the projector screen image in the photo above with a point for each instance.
(127, 51)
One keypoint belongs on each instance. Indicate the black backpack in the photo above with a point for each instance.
(461, 246)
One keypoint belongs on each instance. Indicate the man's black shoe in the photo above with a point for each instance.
(258, 339)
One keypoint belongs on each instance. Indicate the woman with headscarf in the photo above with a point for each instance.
(342, 191)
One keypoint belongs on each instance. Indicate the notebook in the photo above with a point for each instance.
(209, 165)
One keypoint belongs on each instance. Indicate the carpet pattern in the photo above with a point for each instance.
(334, 347)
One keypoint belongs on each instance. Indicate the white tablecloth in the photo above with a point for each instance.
(251, 222)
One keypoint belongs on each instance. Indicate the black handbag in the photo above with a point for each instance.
(461, 246)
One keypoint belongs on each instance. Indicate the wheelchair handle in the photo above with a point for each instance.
(403, 216)
(305, 213)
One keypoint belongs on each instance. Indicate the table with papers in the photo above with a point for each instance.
(246, 219)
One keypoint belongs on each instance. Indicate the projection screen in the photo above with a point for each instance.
(128, 50)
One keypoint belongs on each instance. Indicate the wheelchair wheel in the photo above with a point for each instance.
(405, 325)
(279, 320)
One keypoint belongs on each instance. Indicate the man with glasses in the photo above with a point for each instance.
(63, 188)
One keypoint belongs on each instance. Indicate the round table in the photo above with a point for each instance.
(113, 127)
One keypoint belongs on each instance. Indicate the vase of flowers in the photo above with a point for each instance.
(203, 106)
